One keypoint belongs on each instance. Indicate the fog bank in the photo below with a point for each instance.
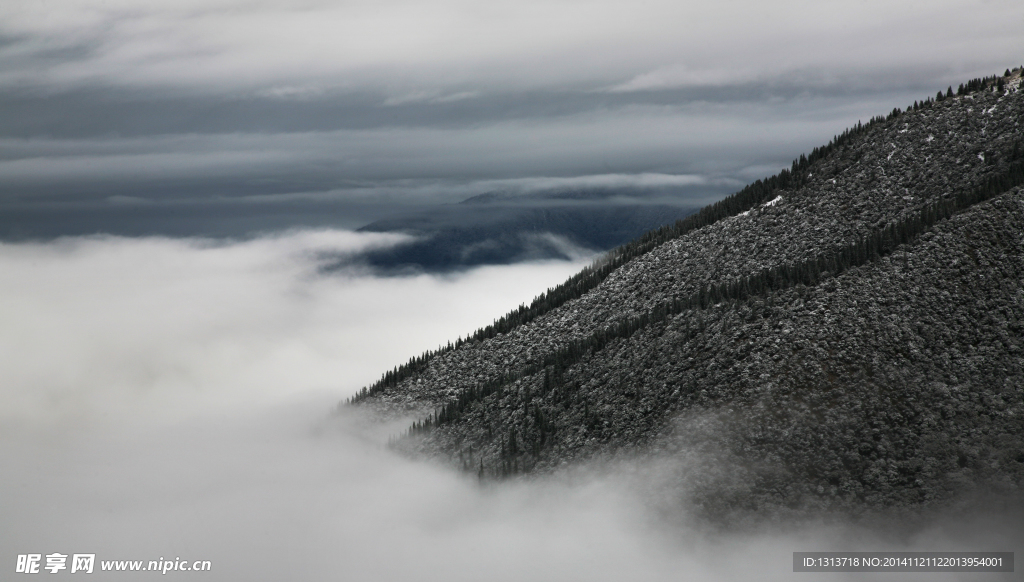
(172, 399)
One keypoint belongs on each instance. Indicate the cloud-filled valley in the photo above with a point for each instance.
(220, 218)
(172, 399)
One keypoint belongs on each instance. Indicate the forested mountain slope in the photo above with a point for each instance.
(856, 338)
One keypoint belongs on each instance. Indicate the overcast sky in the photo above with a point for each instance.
(353, 108)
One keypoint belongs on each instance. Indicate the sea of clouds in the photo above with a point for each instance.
(174, 399)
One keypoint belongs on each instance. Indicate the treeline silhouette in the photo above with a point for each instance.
(865, 249)
(591, 276)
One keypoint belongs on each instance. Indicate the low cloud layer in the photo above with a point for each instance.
(94, 323)
(172, 399)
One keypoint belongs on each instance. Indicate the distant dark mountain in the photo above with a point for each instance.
(497, 228)
(845, 336)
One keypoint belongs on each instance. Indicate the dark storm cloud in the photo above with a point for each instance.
(701, 136)
(428, 164)
(101, 112)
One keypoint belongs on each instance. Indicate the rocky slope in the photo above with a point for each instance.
(854, 341)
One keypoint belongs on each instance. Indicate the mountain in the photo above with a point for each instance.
(847, 335)
(501, 228)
